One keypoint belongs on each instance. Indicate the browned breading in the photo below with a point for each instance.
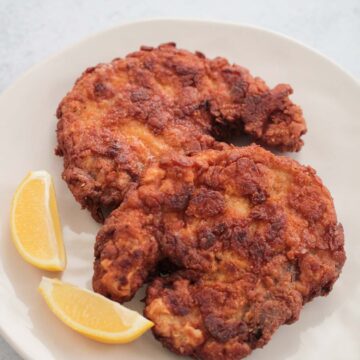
(118, 116)
(254, 236)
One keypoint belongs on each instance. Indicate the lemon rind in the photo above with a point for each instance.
(139, 327)
(57, 263)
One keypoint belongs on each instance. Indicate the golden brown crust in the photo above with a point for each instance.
(254, 236)
(156, 100)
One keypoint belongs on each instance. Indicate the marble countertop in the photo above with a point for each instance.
(31, 30)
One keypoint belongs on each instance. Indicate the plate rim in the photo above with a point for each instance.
(112, 28)
(123, 24)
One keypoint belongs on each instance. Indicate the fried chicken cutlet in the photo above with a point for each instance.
(118, 116)
(253, 236)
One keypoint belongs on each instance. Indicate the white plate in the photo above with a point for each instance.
(328, 328)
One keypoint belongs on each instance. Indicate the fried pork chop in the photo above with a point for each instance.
(253, 237)
(118, 116)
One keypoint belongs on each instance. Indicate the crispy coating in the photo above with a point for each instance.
(253, 236)
(121, 115)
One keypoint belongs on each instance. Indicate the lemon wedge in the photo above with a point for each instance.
(92, 314)
(35, 224)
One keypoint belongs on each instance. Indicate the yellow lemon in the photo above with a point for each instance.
(35, 224)
(92, 314)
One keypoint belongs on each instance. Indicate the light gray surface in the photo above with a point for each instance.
(33, 29)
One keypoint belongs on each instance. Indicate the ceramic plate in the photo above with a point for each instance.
(328, 328)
